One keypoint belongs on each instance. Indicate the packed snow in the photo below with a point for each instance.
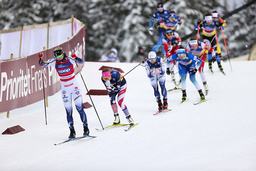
(219, 134)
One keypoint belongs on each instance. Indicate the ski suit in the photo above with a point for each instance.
(69, 85)
(156, 73)
(159, 16)
(185, 66)
(116, 86)
(201, 51)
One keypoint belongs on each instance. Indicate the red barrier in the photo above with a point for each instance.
(21, 81)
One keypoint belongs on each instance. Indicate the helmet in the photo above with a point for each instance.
(160, 4)
(151, 55)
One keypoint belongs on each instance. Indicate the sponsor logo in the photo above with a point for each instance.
(64, 70)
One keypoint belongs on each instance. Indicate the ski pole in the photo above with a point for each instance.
(91, 99)
(132, 68)
(197, 33)
(226, 47)
(45, 114)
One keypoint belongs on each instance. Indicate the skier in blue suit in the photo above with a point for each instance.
(160, 16)
(187, 62)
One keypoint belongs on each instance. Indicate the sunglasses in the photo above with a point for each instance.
(106, 78)
(160, 8)
(150, 60)
(59, 56)
(180, 54)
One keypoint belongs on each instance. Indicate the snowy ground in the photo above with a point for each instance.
(219, 134)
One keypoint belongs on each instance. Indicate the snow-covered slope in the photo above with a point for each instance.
(219, 134)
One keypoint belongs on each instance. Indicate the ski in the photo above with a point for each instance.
(77, 138)
(183, 101)
(163, 111)
(175, 88)
(201, 101)
(223, 72)
(111, 126)
(130, 126)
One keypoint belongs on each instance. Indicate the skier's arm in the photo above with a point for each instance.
(50, 62)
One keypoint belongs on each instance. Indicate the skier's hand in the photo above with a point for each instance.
(213, 59)
(162, 73)
(199, 22)
(168, 72)
(193, 71)
(151, 31)
(40, 55)
(150, 76)
(179, 22)
(73, 56)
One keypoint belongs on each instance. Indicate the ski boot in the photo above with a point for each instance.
(206, 88)
(160, 105)
(184, 96)
(201, 94)
(117, 119)
(220, 67)
(165, 106)
(210, 65)
(129, 119)
(72, 134)
(86, 130)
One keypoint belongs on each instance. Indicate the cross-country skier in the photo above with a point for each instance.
(187, 62)
(199, 49)
(172, 22)
(155, 69)
(70, 88)
(159, 16)
(209, 33)
(171, 42)
(116, 86)
(221, 23)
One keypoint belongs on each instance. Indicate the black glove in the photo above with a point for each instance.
(213, 59)
(173, 44)
(193, 71)
(199, 22)
(168, 72)
(179, 22)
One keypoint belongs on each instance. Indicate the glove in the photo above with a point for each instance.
(199, 22)
(151, 31)
(174, 44)
(179, 22)
(150, 76)
(168, 72)
(213, 59)
(162, 73)
(73, 56)
(193, 71)
(40, 55)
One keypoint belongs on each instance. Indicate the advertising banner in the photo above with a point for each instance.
(22, 80)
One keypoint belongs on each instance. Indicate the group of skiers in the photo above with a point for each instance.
(190, 59)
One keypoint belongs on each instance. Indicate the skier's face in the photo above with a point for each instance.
(152, 61)
(160, 8)
(169, 35)
(182, 56)
(171, 18)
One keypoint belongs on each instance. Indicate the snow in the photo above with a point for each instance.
(219, 134)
